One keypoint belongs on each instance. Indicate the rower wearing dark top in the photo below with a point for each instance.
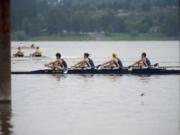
(143, 62)
(115, 62)
(58, 64)
(85, 63)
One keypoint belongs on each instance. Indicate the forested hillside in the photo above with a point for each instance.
(31, 18)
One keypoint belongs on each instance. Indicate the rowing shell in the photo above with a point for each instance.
(148, 71)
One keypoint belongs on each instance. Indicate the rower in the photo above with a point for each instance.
(58, 64)
(85, 63)
(115, 62)
(19, 53)
(32, 46)
(143, 62)
(37, 53)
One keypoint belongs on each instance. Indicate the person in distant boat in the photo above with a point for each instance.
(115, 62)
(19, 53)
(85, 63)
(32, 46)
(37, 53)
(58, 64)
(143, 62)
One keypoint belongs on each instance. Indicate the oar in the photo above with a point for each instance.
(98, 66)
(130, 66)
(169, 67)
(155, 65)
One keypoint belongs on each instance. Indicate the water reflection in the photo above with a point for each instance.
(58, 77)
(86, 76)
(144, 78)
(114, 77)
(5, 119)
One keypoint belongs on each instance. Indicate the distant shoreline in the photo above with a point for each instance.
(100, 37)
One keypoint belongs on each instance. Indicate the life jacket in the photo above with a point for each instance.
(90, 63)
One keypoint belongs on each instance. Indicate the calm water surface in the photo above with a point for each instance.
(94, 104)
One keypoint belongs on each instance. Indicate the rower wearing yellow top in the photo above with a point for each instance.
(19, 53)
(115, 62)
(37, 53)
(58, 64)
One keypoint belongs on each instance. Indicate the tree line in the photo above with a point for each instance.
(62, 17)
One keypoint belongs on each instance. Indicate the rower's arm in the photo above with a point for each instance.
(110, 61)
(78, 63)
(137, 62)
(50, 63)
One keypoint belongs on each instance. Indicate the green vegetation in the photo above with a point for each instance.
(120, 36)
(113, 37)
(62, 38)
(75, 19)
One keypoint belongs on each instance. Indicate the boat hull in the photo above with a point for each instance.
(148, 71)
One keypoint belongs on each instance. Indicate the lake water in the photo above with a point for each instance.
(94, 104)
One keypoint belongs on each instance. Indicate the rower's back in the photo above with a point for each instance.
(91, 63)
(64, 63)
(147, 62)
(120, 63)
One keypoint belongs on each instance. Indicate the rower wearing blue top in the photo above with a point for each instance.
(115, 62)
(58, 64)
(143, 62)
(85, 63)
